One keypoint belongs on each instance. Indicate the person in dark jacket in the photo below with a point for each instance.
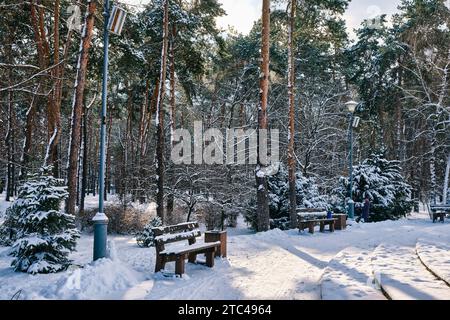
(366, 209)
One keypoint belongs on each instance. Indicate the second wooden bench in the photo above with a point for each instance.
(310, 224)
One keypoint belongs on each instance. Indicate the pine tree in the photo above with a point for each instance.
(380, 180)
(278, 192)
(145, 238)
(45, 235)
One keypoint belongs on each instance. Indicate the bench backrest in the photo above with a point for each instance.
(305, 214)
(181, 232)
(308, 210)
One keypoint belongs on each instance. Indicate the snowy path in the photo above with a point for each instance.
(349, 276)
(403, 277)
(271, 265)
(436, 257)
(261, 266)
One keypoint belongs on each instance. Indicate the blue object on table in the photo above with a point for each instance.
(329, 215)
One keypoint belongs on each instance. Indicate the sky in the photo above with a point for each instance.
(242, 13)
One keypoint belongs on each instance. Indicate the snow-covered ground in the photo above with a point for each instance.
(436, 257)
(271, 265)
(349, 276)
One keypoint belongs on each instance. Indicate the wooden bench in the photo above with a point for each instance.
(178, 233)
(439, 212)
(310, 224)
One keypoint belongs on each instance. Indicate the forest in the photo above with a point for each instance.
(172, 66)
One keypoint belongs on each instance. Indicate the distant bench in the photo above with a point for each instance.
(439, 212)
(309, 218)
(182, 232)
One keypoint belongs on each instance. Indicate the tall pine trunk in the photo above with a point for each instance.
(9, 145)
(9, 138)
(77, 107)
(54, 104)
(160, 115)
(170, 196)
(261, 180)
(291, 93)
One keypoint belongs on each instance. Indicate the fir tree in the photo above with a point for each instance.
(380, 180)
(145, 238)
(307, 195)
(45, 235)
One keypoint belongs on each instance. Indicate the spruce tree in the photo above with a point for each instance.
(381, 181)
(45, 235)
(146, 238)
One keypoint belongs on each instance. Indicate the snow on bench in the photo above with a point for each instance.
(349, 276)
(186, 225)
(169, 237)
(185, 249)
(436, 257)
(402, 276)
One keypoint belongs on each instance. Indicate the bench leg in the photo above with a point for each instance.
(179, 265)
(210, 257)
(332, 227)
(192, 257)
(160, 263)
(322, 227)
(311, 228)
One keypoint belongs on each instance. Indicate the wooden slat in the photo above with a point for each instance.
(308, 210)
(175, 237)
(188, 249)
(182, 227)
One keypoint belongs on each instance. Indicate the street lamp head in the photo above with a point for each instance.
(116, 20)
(351, 106)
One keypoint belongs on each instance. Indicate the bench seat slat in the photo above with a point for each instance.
(192, 248)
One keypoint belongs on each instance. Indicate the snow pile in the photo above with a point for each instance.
(349, 276)
(403, 277)
(102, 279)
(436, 257)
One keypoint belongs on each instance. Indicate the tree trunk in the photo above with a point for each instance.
(433, 168)
(170, 196)
(29, 126)
(291, 88)
(108, 158)
(9, 143)
(446, 180)
(54, 110)
(160, 115)
(261, 180)
(84, 174)
(77, 107)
